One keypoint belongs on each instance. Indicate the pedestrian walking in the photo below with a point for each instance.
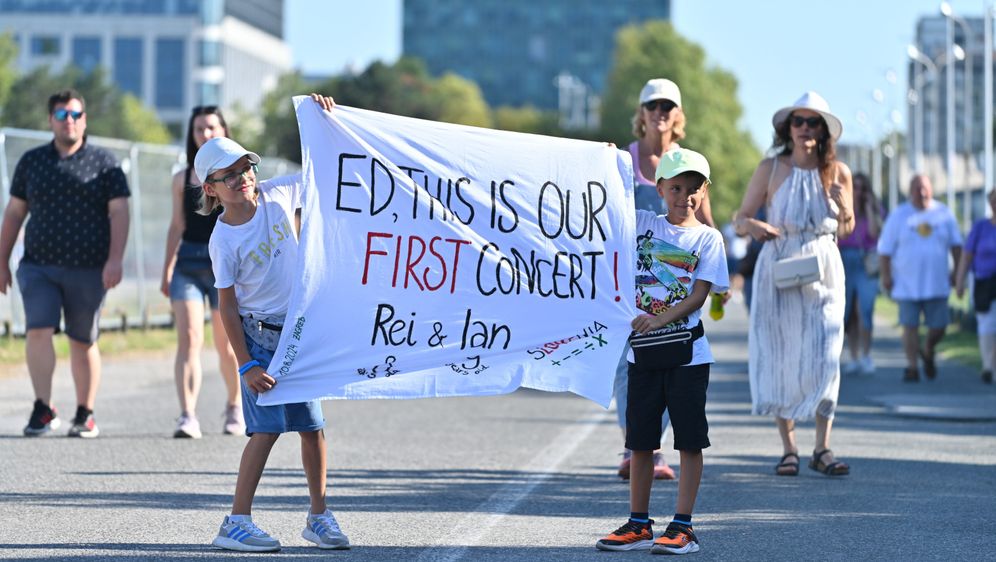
(858, 251)
(254, 289)
(796, 320)
(913, 250)
(658, 125)
(188, 280)
(680, 261)
(75, 199)
(979, 257)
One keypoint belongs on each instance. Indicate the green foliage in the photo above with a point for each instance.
(708, 94)
(245, 126)
(527, 119)
(459, 101)
(110, 112)
(280, 135)
(403, 88)
(8, 74)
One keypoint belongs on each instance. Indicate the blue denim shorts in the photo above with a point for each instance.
(935, 313)
(282, 418)
(193, 285)
(858, 285)
(51, 291)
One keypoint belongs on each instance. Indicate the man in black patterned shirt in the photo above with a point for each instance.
(77, 198)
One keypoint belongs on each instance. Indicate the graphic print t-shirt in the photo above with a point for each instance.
(919, 242)
(669, 259)
(259, 256)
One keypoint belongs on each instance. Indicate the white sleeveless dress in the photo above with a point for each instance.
(796, 334)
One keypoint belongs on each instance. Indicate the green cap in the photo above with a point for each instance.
(679, 161)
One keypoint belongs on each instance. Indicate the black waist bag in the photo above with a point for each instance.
(665, 350)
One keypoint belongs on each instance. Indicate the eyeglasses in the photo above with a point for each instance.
(811, 122)
(62, 114)
(665, 105)
(233, 180)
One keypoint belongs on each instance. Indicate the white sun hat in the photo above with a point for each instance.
(813, 102)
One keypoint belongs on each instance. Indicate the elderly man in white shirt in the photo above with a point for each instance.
(914, 246)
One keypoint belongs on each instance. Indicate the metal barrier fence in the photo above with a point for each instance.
(149, 168)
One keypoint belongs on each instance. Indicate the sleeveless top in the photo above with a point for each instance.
(198, 227)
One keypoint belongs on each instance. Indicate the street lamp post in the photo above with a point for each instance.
(932, 74)
(967, 110)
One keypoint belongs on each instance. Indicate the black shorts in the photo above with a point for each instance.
(682, 391)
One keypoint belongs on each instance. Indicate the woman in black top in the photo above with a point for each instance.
(187, 280)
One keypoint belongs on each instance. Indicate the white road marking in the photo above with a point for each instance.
(476, 524)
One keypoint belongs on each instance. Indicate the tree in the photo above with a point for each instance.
(8, 73)
(403, 88)
(708, 94)
(110, 112)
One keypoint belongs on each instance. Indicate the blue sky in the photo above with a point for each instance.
(777, 49)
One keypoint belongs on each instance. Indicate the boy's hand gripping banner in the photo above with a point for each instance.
(445, 260)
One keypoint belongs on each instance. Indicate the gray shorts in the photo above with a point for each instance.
(48, 291)
(935, 313)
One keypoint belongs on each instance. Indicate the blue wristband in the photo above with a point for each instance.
(248, 365)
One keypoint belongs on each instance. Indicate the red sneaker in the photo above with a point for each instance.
(627, 456)
(661, 470)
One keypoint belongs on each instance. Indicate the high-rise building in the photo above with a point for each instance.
(171, 54)
(928, 88)
(523, 52)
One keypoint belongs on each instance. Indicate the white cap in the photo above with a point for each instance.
(660, 89)
(813, 102)
(218, 154)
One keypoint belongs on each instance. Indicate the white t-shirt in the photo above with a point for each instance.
(919, 242)
(670, 259)
(258, 257)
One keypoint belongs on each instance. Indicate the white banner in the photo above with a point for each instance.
(446, 260)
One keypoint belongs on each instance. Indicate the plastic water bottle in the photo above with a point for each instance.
(716, 310)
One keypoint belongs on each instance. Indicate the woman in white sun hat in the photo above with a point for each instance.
(797, 329)
(658, 125)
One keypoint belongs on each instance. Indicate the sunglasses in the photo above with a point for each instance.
(63, 114)
(233, 180)
(665, 105)
(202, 109)
(811, 122)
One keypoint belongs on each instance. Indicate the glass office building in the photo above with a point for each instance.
(515, 50)
(171, 54)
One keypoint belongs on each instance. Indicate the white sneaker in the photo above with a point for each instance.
(867, 366)
(187, 427)
(324, 531)
(850, 368)
(244, 536)
(235, 424)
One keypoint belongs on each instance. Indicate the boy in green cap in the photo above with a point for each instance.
(679, 261)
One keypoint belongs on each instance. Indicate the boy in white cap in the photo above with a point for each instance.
(253, 252)
(679, 261)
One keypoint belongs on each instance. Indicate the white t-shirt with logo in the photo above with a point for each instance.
(919, 242)
(259, 256)
(670, 259)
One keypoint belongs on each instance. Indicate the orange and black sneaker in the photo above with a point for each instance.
(677, 539)
(631, 536)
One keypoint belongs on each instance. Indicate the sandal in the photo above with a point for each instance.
(787, 467)
(834, 468)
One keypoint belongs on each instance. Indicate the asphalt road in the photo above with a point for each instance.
(527, 476)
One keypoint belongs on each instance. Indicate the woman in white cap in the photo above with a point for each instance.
(797, 318)
(187, 280)
(658, 125)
